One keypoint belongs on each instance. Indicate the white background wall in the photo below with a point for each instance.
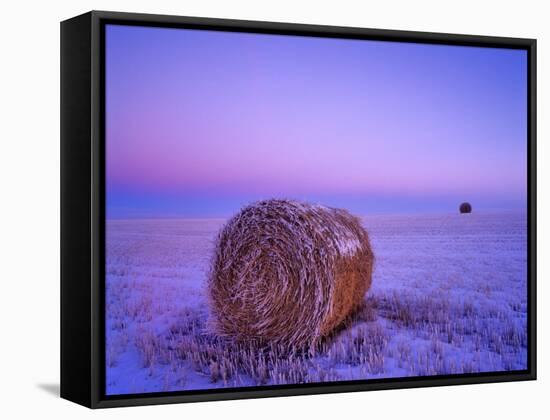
(29, 207)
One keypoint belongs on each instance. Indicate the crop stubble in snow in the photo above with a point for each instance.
(449, 295)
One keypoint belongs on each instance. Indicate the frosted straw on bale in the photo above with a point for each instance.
(287, 273)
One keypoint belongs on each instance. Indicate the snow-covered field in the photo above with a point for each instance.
(449, 295)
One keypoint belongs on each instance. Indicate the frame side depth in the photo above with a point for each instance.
(76, 185)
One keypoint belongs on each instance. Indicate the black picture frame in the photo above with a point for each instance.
(83, 210)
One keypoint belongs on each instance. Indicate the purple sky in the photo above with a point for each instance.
(201, 122)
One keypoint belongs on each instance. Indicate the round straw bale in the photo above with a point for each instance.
(465, 208)
(287, 273)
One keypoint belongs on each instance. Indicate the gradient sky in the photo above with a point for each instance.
(200, 123)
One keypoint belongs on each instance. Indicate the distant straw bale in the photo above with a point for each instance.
(287, 273)
(465, 208)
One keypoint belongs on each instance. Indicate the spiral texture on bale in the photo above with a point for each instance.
(287, 273)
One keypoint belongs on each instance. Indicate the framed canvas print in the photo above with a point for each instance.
(255, 209)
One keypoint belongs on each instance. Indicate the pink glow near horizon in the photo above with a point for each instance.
(195, 111)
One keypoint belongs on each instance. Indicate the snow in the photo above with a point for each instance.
(348, 246)
(449, 295)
